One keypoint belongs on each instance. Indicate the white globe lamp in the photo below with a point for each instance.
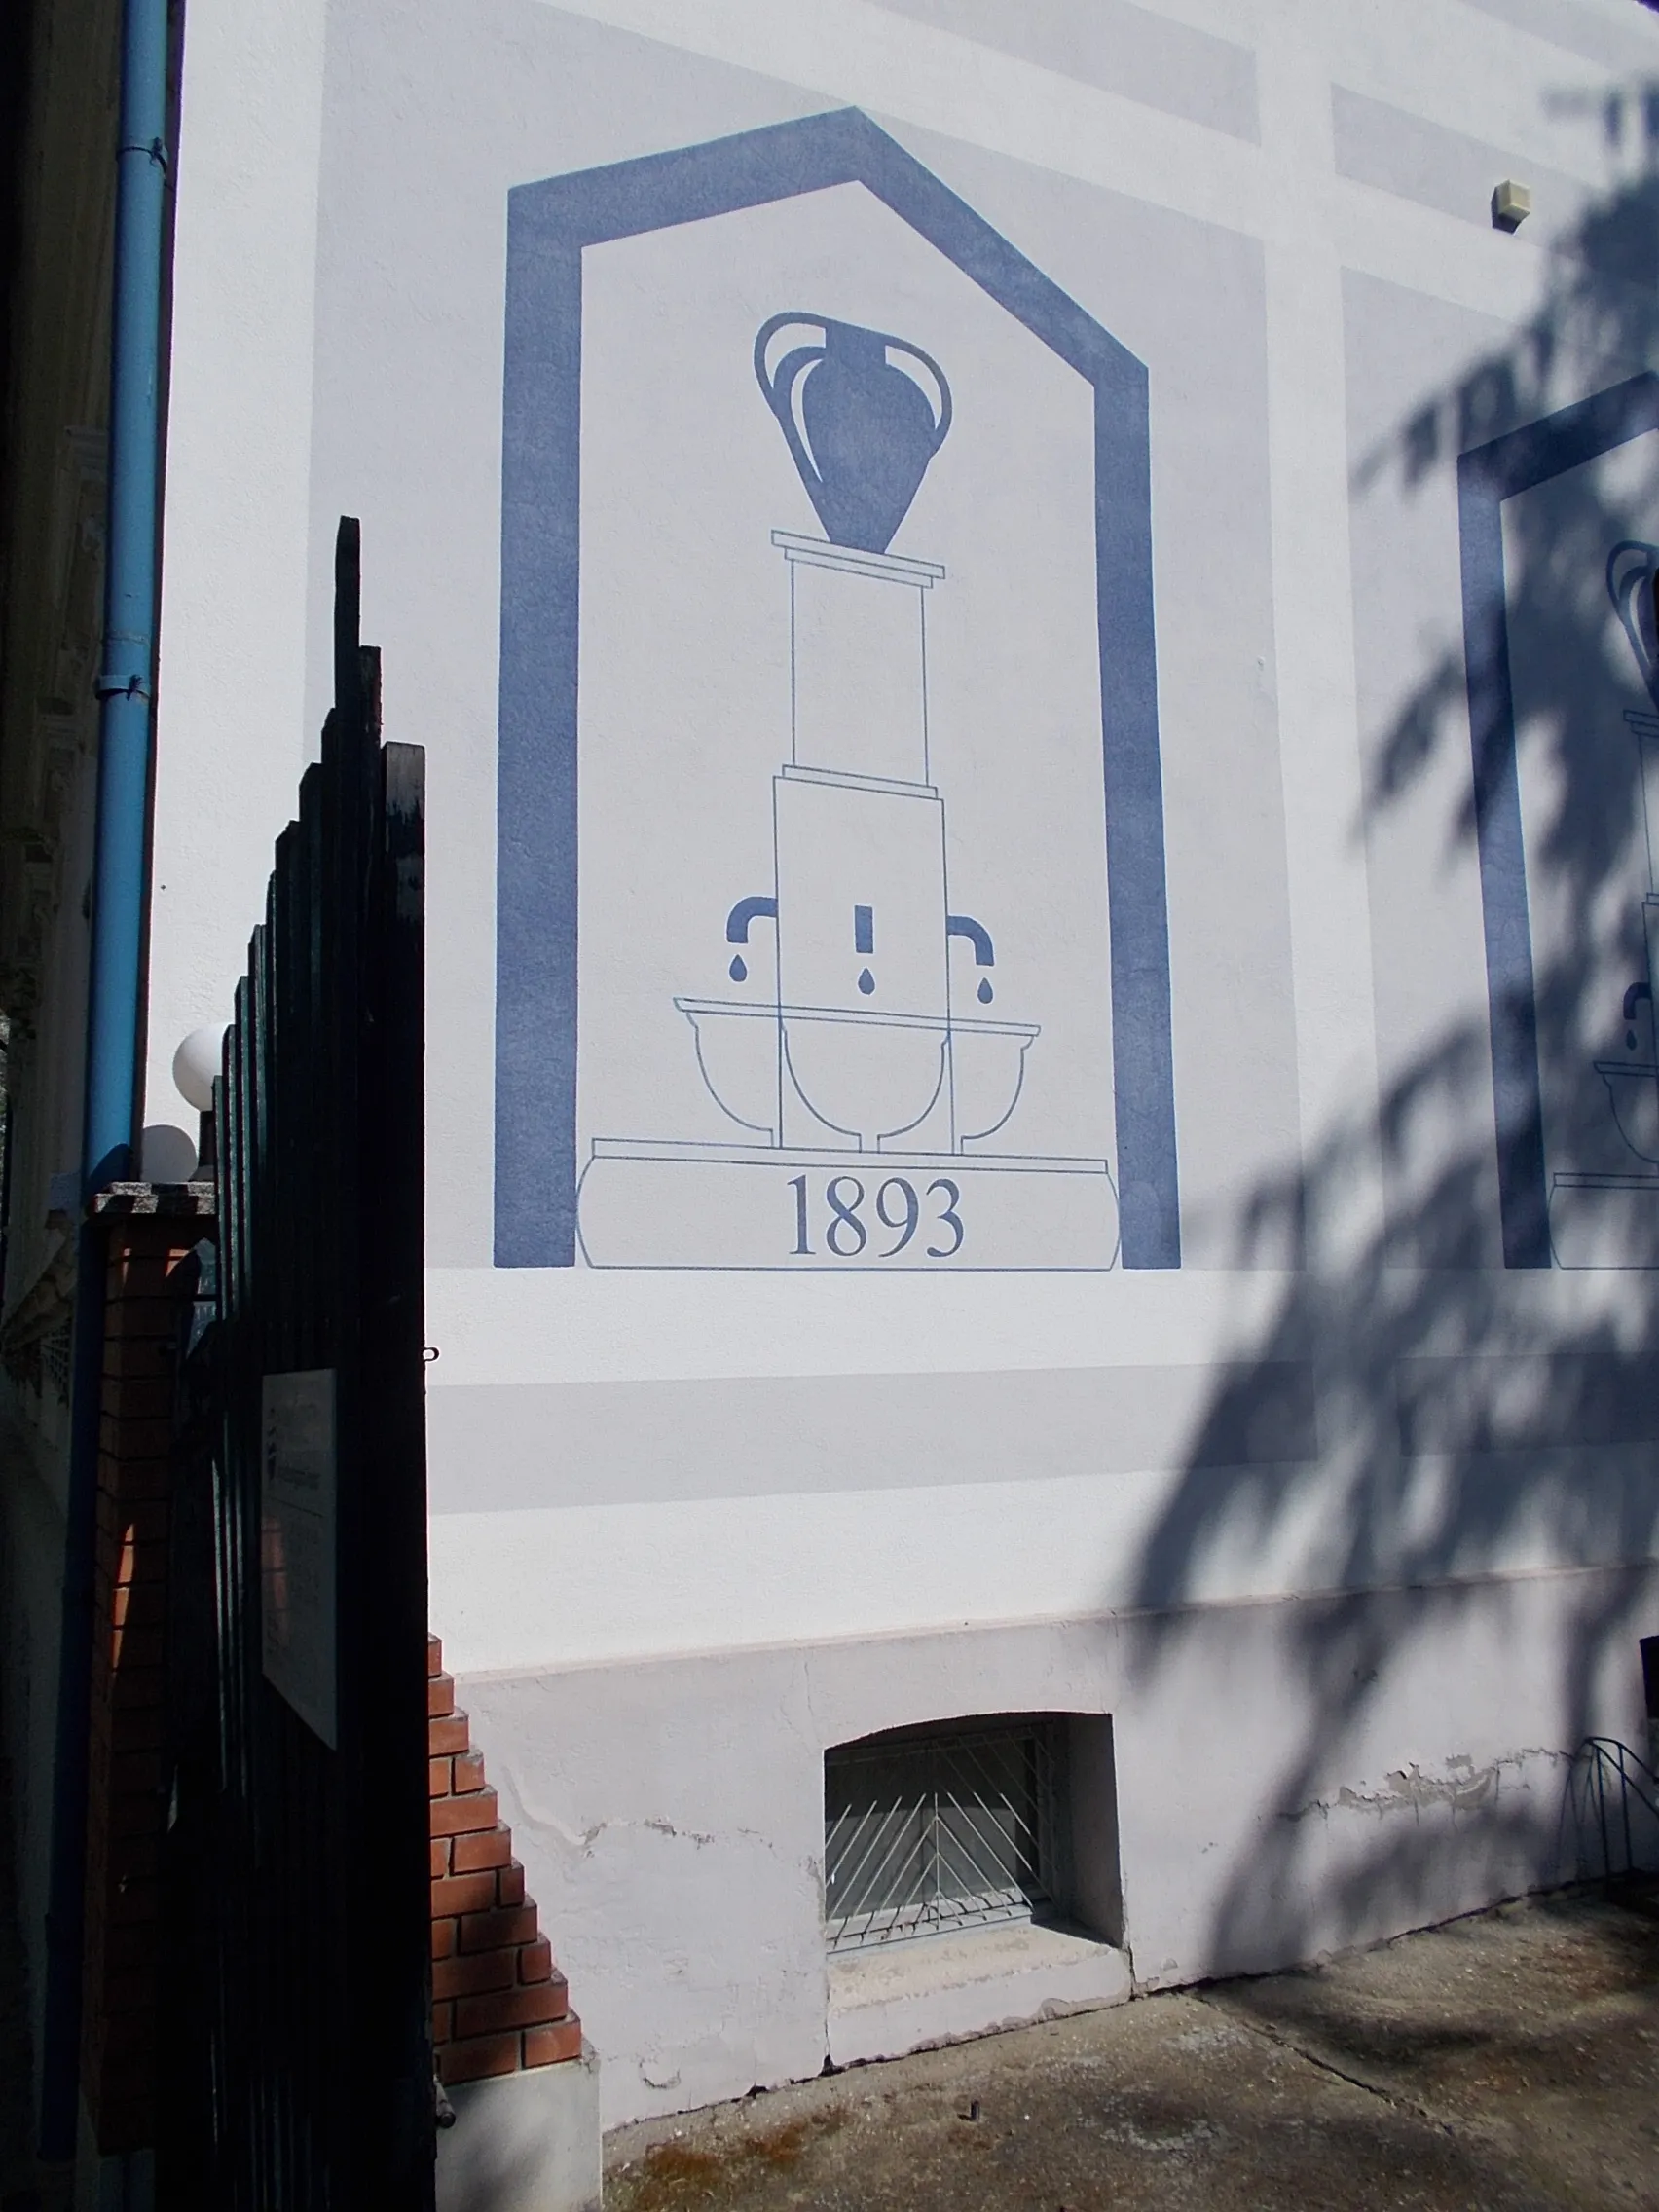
(196, 1065)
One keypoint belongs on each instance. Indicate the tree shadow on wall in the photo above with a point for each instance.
(1447, 1458)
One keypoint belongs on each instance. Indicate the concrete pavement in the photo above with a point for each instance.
(1508, 2061)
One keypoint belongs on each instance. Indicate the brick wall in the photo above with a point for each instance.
(498, 2003)
(125, 1809)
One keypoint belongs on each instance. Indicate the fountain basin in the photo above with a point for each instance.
(738, 1053)
(871, 1075)
(987, 1074)
(1633, 1088)
(868, 1075)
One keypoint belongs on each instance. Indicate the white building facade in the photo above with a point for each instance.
(1033, 630)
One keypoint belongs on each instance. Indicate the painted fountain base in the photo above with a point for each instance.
(1605, 1220)
(650, 1204)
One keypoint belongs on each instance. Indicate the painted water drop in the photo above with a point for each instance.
(739, 969)
(987, 994)
(867, 982)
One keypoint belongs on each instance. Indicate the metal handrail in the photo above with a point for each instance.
(1607, 1756)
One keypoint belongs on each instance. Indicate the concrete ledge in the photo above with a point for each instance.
(524, 2142)
(944, 1988)
(123, 2181)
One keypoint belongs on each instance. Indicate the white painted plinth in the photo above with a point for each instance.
(666, 1204)
(524, 2142)
(945, 1988)
(1605, 1220)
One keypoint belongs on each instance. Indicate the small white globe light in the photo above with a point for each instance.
(196, 1064)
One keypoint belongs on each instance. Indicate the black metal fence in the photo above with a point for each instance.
(1612, 1809)
(298, 2051)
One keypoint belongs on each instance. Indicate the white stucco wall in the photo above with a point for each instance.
(690, 1528)
(1271, 1807)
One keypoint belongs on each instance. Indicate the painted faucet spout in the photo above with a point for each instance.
(749, 910)
(977, 935)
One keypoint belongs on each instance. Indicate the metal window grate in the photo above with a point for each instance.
(55, 1359)
(941, 1829)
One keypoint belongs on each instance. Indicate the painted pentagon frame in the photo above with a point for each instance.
(1550, 1213)
(538, 1171)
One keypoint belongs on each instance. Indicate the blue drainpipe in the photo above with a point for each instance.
(125, 689)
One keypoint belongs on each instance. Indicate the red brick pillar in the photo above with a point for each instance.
(145, 1304)
(500, 2004)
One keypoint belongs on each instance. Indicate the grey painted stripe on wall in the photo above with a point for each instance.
(1580, 30)
(1397, 152)
(1515, 1404)
(1115, 44)
(498, 1448)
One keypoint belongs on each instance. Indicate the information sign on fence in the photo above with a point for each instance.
(297, 1548)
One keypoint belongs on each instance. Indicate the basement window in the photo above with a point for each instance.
(929, 1829)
